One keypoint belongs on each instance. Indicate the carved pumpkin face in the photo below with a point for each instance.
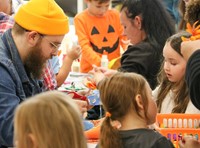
(107, 39)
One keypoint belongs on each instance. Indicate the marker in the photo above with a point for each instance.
(180, 123)
(185, 123)
(174, 140)
(165, 123)
(195, 123)
(180, 137)
(174, 123)
(196, 136)
(169, 123)
(169, 136)
(190, 123)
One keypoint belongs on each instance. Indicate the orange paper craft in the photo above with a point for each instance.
(91, 85)
(193, 30)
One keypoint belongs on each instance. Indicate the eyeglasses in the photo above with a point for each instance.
(56, 47)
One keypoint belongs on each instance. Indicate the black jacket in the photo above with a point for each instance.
(143, 58)
(192, 76)
(143, 138)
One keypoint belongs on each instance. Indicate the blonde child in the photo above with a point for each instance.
(130, 108)
(172, 94)
(48, 120)
(99, 33)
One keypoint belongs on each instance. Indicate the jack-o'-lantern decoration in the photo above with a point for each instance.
(107, 41)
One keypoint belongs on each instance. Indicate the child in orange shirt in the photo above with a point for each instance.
(99, 32)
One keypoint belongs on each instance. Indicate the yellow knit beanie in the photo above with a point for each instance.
(43, 16)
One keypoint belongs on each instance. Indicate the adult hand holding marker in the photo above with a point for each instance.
(93, 94)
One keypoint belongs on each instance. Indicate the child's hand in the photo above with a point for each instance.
(189, 142)
(107, 72)
(74, 53)
(83, 105)
(89, 83)
(84, 92)
(100, 72)
(98, 75)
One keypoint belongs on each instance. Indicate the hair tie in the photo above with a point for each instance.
(108, 114)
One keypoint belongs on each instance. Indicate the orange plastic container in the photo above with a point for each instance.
(178, 120)
(175, 126)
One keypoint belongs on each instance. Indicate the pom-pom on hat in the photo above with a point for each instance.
(43, 16)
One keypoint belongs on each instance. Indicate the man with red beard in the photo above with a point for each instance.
(39, 28)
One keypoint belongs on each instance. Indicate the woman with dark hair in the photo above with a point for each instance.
(147, 25)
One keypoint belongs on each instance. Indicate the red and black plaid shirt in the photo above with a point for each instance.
(6, 22)
(49, 78)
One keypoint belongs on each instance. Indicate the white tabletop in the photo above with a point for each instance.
(91, 145)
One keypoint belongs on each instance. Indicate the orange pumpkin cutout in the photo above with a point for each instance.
(108, 42)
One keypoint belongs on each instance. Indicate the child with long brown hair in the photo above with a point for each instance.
(130, 108)
(172, 94)
(48, 120)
